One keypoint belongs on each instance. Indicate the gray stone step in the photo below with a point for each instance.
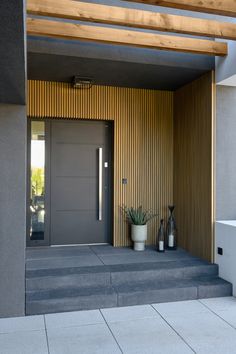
(76, 299)
(162, 271)
(189, 289)
(136, 293)
(70, 280)
(43, 279)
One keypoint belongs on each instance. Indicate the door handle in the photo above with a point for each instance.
(100, 157)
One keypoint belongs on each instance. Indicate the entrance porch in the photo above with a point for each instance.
(69, 278)
(172, 143)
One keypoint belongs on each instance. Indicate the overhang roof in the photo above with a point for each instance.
(59, 60)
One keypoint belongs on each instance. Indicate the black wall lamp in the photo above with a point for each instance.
(79, 82)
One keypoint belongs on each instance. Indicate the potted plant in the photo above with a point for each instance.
(138, 219)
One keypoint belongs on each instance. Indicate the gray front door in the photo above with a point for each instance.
(80, 164)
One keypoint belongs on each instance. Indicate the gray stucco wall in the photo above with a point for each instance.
(12, 209)
(225, 66)
(12, 52)
(226, 153)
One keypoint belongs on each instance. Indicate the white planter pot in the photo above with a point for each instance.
(139, 236)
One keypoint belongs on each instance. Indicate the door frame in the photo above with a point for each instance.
(110, 203)
(46, 240)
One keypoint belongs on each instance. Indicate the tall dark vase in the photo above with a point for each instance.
(171, 231)
(161, 237)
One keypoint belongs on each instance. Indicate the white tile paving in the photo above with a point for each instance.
(84, 339)
(11, 325)
(128, 313)
(205, 332)
(221, 303)
(73, 319)
(148, 335)
(228, 316)
(199, 326)
(24, 342)
(202, 329)
(224, 308)
(179, 308)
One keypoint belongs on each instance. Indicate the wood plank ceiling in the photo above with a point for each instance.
(218, 7)
(147, 20)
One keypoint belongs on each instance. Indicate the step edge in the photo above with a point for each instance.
(117, 289)
(185, 267)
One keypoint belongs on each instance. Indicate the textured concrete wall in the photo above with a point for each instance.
(12, 52)
(226, 239)
(225, 66)
(225, 153)
(12, 209)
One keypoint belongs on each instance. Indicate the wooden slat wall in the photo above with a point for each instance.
(143, 141)
(193, 165)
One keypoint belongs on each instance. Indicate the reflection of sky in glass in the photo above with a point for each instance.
(37, 153)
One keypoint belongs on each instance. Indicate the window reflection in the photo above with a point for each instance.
(37, 197)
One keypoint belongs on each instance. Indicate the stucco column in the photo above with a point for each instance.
(12, 158)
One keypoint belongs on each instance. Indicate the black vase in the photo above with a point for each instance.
(161, 238)
(171, 231)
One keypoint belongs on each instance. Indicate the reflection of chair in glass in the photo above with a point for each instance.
(37, 217)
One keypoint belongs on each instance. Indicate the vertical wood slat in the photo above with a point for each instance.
(193, 165)
(143, 141)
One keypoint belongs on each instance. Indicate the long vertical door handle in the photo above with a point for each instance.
(100, 185)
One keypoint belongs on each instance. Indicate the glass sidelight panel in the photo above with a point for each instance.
(37, 181)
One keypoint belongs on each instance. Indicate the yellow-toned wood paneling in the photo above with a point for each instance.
(193, 165)
(143, 141)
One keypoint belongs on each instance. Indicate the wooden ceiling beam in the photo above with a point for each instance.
(218, 7)
(75, 31)
(76, 10)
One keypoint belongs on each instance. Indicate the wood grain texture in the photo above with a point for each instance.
(193, 166)
(141, 39)
(114, 15)
(143, 141)
(219, 7)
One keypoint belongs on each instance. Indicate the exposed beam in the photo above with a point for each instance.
(218, 7)
(112, 15)
(64, 30)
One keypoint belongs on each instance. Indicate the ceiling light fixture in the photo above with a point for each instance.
(82, 82)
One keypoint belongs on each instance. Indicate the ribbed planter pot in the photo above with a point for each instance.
(139, 236)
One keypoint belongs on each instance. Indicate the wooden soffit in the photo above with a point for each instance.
(137, 19)
(218, 7)
(114, 15)
(64, 30)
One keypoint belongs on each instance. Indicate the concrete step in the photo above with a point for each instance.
(71, 300)
(63, 281)
(163, 271)
(133, 293)
(94, 276)
(189, 289)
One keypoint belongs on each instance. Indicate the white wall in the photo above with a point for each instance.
(226, 66)
(226, 153)
(226, 239)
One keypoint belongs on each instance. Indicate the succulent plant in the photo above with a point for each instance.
(138, 216)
